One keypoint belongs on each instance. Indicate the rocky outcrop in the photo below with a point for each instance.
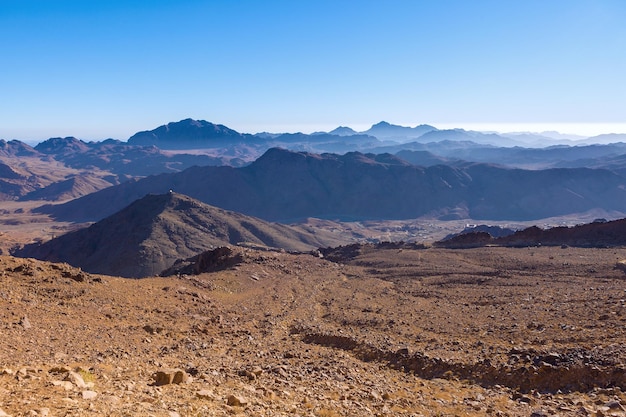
(208, 261)
(578, 370)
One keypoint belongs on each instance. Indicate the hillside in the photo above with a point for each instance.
(388, 331)
(284, 186)
(153, 232)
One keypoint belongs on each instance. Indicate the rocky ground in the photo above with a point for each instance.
(389, 330)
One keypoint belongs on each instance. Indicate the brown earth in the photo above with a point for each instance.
(388, 330)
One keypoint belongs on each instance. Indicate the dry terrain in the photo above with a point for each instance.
(389, 330)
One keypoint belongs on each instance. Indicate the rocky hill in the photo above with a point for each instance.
(598, 234)
(284, 186)
(152, 233)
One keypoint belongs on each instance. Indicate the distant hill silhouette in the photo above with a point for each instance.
(13, 148)
(189, 134)
(384, 130)
(284, 186)
(151, 233)
(119, 157)
(68, 189)
(342, 131)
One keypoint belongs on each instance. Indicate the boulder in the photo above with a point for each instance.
(170, 376)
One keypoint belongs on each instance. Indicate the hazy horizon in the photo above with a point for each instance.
(581, 131)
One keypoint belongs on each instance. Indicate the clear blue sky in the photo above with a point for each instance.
(98, 69)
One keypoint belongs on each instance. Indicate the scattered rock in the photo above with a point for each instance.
(170, 376)
(614, 405)
(60, 370)
(25, 323)
(205, 394)
(67, 385)
(374, 395)
(236, 401)
(621, 265)
(89, 395)
(76, 379)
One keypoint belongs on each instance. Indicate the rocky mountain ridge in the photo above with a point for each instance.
(284, 186)
(598, 234)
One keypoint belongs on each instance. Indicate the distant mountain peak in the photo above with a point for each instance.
(59, 145)
(343, 131)
(387, 130)
(188, 134)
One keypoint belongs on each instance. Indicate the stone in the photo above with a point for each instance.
(170, 376)
(25, 323)
(614, 405)
(67, 385)
(89, 395)
(205, 394)
(375, 396)
(236, 401)
(76, 379)
(60, 370)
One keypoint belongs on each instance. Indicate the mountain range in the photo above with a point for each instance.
(63, 168)
(286, 186)
(150, 234)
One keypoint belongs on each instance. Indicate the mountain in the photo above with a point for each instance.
(14, 148)
(120, 158)
(605, 139)
(63, 146)
(190, 134)
(342, 131)
(323, 142)
(73, 187)
(153, 232)
(385, 130)
(558, 156)
(425, 158)
(461, 135)
(286, 186)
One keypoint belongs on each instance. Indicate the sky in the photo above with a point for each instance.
(100, 69)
